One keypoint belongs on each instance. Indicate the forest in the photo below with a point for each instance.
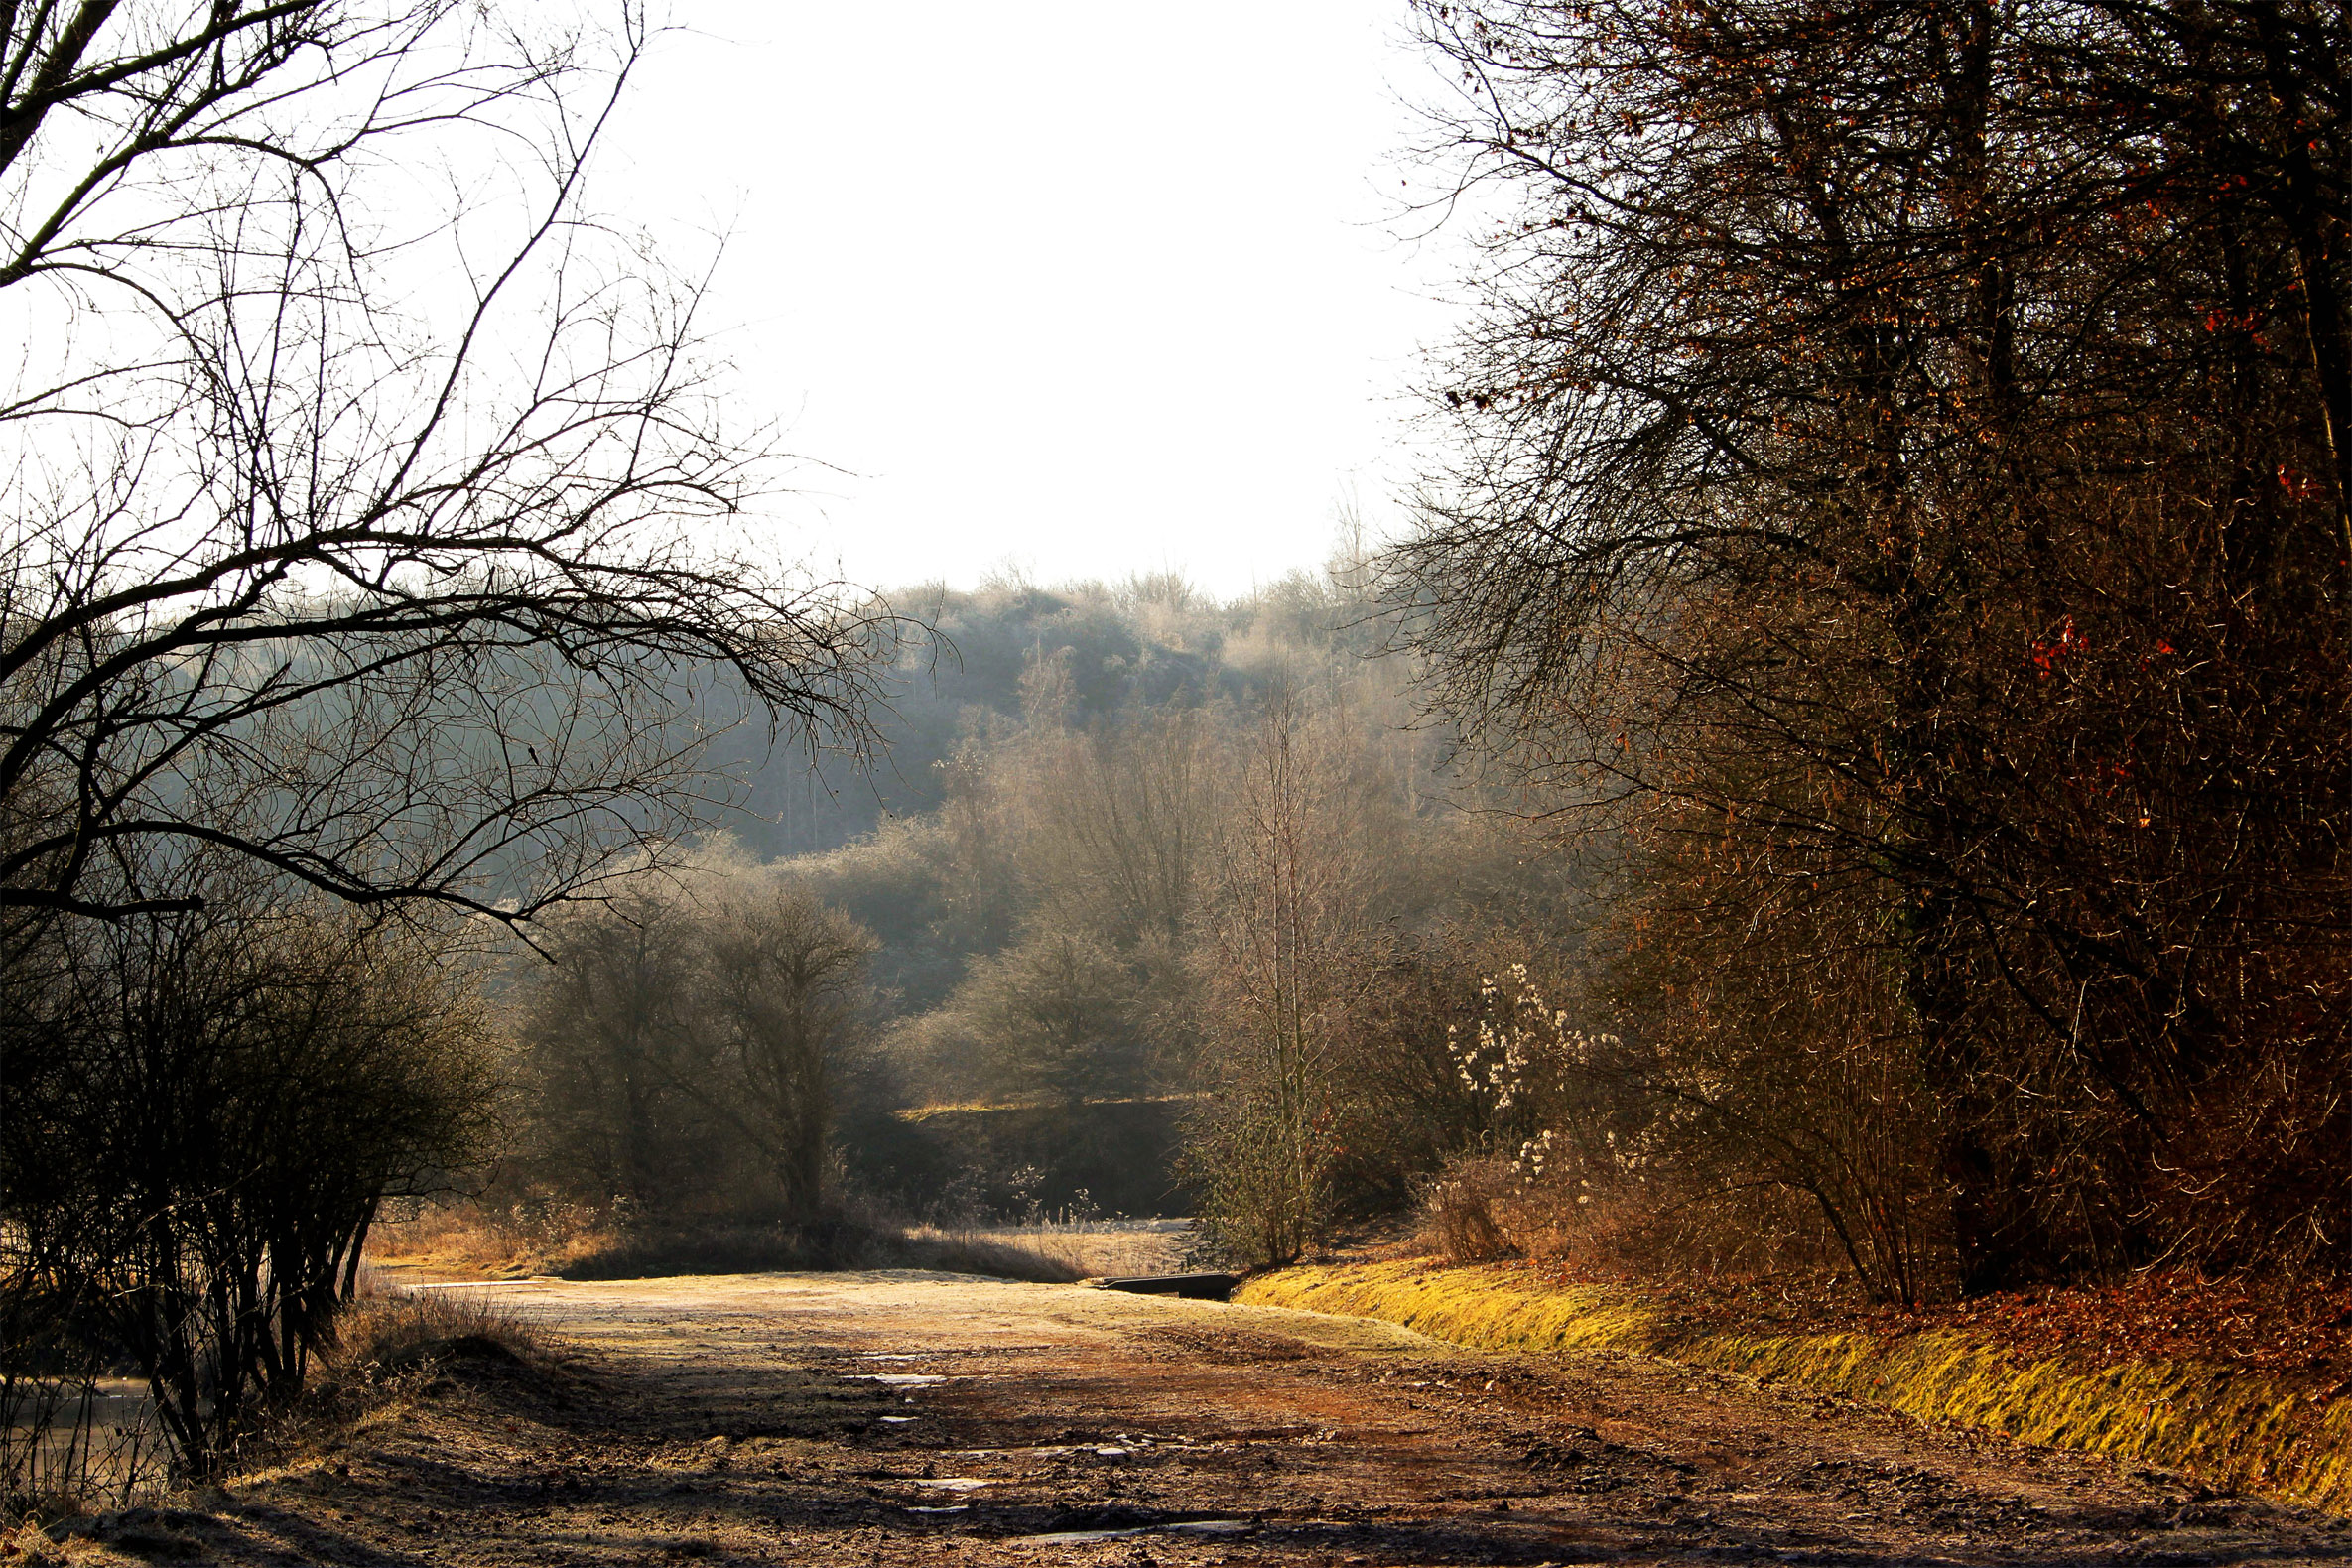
(1843, 775)
(1148, 826)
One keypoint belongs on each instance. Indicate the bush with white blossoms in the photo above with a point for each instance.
(1555, 1099)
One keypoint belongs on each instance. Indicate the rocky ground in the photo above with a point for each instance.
(901, 1418)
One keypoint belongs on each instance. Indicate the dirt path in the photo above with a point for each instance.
(927, 1419)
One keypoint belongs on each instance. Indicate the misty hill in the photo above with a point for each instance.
(1149, 641)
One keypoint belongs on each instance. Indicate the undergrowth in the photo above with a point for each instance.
(391, 1346)
(384, 1336)
(2230, 1426)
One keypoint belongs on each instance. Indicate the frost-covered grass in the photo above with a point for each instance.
(1058, 1249)
(467, 1241)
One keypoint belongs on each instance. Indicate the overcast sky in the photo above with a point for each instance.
(1089, 289)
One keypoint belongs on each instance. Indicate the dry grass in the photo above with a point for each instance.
(391, 1348)
(385, 1335)
(1053, 1251)
(469, 1239)
(584, 1243)
(2220, 1423)
(578, 1241)
(654, 1252)
(29, 1545)
(968, 1107)
(1485, 1307)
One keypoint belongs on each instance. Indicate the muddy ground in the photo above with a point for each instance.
(925, 1420)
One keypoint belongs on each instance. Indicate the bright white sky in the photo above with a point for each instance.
(1089, 289)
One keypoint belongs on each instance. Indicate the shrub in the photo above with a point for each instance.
(1467, 1212)
(244, 1087)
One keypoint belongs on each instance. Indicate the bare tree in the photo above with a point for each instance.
(1124, 822)
(1057, 1013)
(375, 534)
(608, 1038)
(688, 1038)
(784, 1000)
(373, 531)
(1287, 947)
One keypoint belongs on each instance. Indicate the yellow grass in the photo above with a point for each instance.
(1493, 1308)
(2225, 1426)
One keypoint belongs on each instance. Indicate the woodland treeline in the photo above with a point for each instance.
(1847, 769)
(1899, 500)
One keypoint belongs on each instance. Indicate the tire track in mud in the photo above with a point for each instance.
(901, 1418)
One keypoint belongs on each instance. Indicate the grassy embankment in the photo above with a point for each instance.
(2226, 1425)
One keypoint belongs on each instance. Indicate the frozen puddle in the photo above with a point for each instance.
(955, 1483)
(900, 1379)
(900, 1420)
(1185, 1527)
